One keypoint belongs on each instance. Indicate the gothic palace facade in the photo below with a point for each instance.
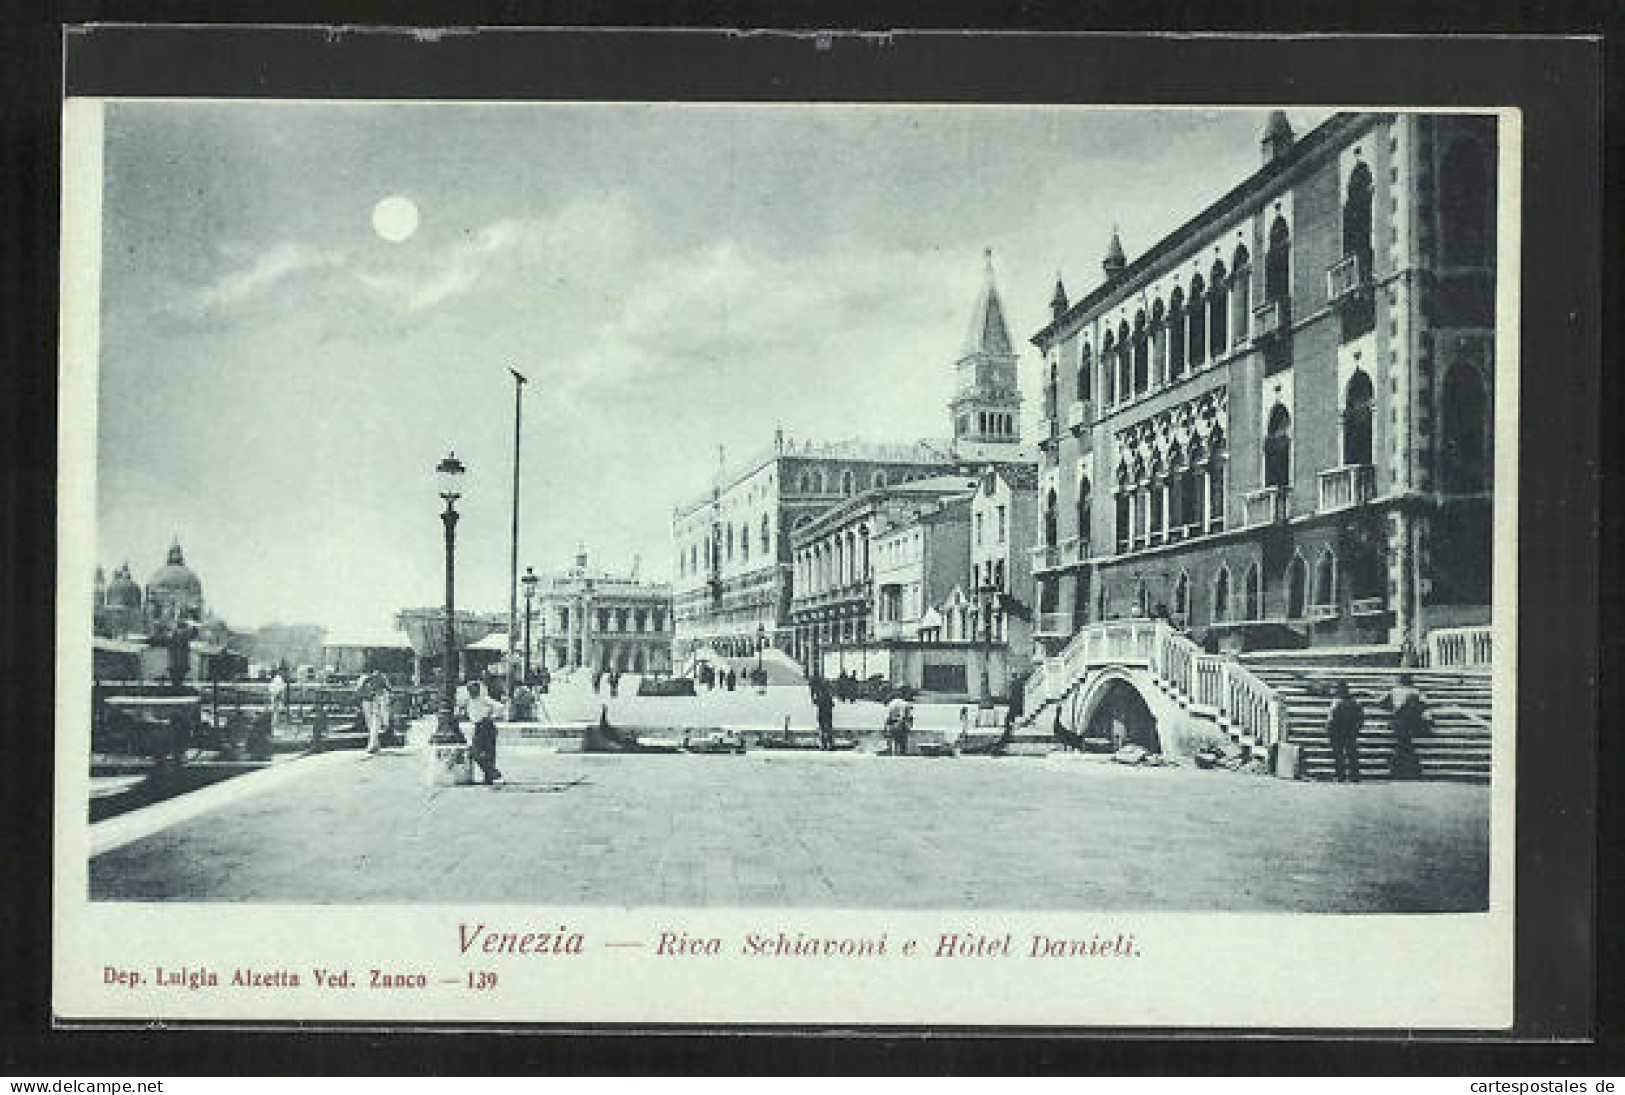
(1276, 424)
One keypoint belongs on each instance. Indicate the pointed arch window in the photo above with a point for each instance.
(1278, 262)
(1357, 219)
(1083, 509)
(730, 542)
(1278, 449)
(1218, 301)
(1221, 595)
(1159, 343)
(1050, 519)
(1125, 361)
(1176, 334)
(876, 481)
(1086, 366)
(1297, 587)
(1357, 420)
(1124, 518)
(1463, 451)
(1326, 579)
(1241, 291)
(1107, 357)
(1142, 355)
(744, 542)
(1252, 594)
(1182, 596)
(1197, 322)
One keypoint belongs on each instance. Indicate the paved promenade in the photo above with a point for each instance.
(812, 829)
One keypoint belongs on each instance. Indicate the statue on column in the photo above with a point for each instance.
(176, 638)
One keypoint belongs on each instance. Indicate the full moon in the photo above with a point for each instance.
(395, 218)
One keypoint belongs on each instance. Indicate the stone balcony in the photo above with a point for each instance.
(1347, 486)
(1346, 277)
(1271, 320)
(1266, 506)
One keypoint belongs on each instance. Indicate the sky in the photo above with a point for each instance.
(282, 366)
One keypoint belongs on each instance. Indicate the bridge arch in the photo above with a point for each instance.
(1117, 704)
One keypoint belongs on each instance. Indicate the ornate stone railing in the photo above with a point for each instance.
(1215, 683)
(1349, 485)
(1270, 319)
(1266, 506)
(1345, 276)
(1461, 647)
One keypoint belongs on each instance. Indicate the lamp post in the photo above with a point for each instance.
(761, 644)
(530, 581)
(989, 597)
(450, 471)
(519, 383)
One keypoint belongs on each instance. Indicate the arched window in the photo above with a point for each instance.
(767, 535)
(1464, 205)
(1357, 218)
(1125, 362)
(1218, 312)
(1159, 343)
(1106, 361)
(1241, 291)
(1252, 593)
(1326, 578)
(1050, 518)
(1083, 509)
(1176, 334)
(1278, 449)
(1197, 322)
(1357, 420)
(1182, 596)
(730, 541)
(1086, 366)
(876, 481)
(744, 542)
(1052, 389)
(848, 482)
(1278, 262)
(804, 483)
(818, 482)
(1221, 595)
(1297, 587)
(1142, 355)
(1463, 452)
(1123, 519)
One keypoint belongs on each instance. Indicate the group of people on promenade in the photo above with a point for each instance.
(1407, 720)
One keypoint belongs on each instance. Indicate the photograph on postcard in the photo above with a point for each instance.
(790, 508)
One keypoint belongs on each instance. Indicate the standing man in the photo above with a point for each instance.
(1343, 728)
(825, 703)
(482, 713)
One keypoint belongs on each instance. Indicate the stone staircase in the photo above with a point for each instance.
(1457, 746)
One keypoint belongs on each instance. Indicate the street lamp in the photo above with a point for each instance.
(761, 644)
(450, 473)
(988, 595)
(530, 581)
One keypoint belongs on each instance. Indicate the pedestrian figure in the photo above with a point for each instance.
(482, 713)
(897, 720)
(825, 703)
(278, 693)
(1408, 721)
(614, 683)
(1343, 728)
(372, 692)
(733, 679)
(597, 681)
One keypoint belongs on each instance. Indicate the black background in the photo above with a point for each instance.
(1564, 393)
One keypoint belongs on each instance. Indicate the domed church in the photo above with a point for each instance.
(173, 591)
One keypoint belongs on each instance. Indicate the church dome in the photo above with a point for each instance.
(122, 592)
(174, 577)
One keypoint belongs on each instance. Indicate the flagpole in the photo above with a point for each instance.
(519, 383)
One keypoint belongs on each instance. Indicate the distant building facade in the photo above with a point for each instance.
(598, 619)
(735, 575)
(1003, 514)
(1275, 425)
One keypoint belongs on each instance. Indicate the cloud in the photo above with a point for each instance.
(268, 268)
(571, 244)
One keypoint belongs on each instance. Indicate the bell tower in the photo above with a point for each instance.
(986, 407)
